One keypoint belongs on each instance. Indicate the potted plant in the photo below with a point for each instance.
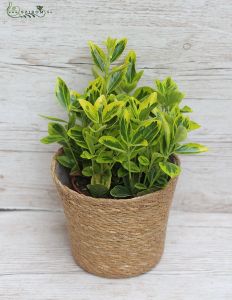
(117, 167)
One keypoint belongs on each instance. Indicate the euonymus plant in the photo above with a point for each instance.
(120, 138)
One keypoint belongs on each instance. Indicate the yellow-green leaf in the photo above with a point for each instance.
(131, 167)
(142, 92)
(56, 129)
(111, 110)
(186, 109)
(114, 80)
(147, 105)
(149, 101)
(89, 110)
(51, 139)
(53, 119)
(87, 155)
(170, 169)
(62, 93)
(75, 133)
(143, 160)
(125, 128)
(118, 50)
(100, 102)
(98, 56)
(105, 158)
(193, 125)
(112, 143)
(191, 148)
(181, 134)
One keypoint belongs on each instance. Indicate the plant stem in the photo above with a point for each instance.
(128, 160)
(156, 177)
(70, 148)
(149, 168)
(158, 173)
(107, 67)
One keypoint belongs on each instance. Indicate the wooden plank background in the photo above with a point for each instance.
(189, 40)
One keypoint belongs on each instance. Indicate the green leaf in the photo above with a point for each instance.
(111, 110)
(125, 128)
(142, 92)
(170, 169)
(57, 129)
(62, 93)
(65, 161)
(88, 171)
(120, 157)
(110, 44)
(72, 120)
(122, 172)
(143, 160)
(156, 156)
(168, 94)
(191, 148)
(87, 155)
(105, 158)
(175, 97)
(89, 110)
(120, 191)
(193, 125)
(53, 119)
(186, 109)
(100, 102)
(118, 50)
(181, 134)
(140, 186)
(75, 133)
(167, 133)
(131, 71)
(51, 139)
(112, 143)
(114, 80)
(148, 101)
(98, 56)
(119, 68)
(90, 140)
(147, 105)
(150, 131)
(131, 167)
(97, 190)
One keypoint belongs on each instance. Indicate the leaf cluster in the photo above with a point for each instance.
(120, 137)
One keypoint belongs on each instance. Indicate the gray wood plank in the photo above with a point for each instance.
(86, 287)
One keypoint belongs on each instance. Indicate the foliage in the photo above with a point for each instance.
(121, 137)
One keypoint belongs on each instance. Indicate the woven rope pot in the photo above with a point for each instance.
(115, 238)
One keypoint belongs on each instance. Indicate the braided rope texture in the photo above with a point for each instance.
(115, 238)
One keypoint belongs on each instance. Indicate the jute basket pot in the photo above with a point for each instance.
(115, 238)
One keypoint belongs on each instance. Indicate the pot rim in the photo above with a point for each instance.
(106, 200)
